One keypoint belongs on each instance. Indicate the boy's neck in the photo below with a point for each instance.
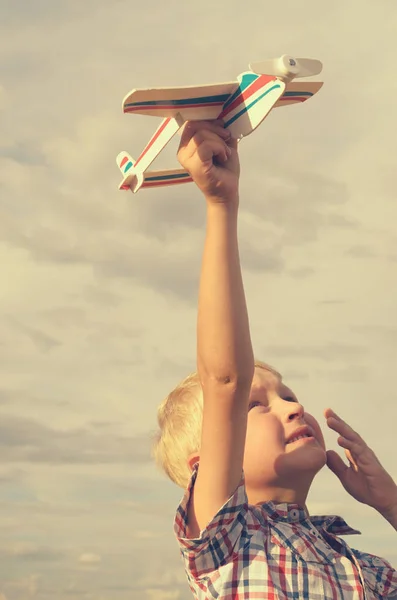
(283, 502)
(279, 496)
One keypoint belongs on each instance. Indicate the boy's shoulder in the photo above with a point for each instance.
(230, 520)
(378, 573)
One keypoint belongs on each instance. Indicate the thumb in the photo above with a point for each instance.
(232, 143)
(336, 464)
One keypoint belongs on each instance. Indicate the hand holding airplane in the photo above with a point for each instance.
(209, 153)
(242, 105)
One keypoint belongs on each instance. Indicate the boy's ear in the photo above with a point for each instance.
(193, 460)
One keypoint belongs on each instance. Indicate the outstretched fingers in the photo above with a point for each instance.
(365, 479)
(349, 439)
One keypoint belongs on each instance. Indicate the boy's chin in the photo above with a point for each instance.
(315, 462)
(312, 461)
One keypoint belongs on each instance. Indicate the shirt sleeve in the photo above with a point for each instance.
(219, 539)
(379, 575)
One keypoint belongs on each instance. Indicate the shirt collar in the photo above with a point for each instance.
(286, 512)
(333, 524)
(294, 513)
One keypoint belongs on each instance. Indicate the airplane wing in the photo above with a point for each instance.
(165, 178)
(297, 91)
(191, 102)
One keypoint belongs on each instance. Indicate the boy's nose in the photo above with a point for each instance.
(296, 411)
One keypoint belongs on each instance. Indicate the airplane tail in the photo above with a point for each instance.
(133, 178)
(298, 91)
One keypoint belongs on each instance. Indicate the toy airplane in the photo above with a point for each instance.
(242, 104)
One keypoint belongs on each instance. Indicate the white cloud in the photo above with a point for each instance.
(89, 559)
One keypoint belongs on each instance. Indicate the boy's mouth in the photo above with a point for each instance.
(300, 434)
(301, 437)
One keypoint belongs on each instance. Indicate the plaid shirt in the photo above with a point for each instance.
(276, 551)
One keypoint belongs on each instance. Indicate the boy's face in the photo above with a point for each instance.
(275, 468)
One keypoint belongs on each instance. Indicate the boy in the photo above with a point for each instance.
(244, 445)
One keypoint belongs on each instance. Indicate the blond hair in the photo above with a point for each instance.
(179, 418)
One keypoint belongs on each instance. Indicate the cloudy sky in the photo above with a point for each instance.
(99, 287)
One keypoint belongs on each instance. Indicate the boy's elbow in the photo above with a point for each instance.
(232, 379)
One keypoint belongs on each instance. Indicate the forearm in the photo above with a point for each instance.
(391, 517)
(224, 348)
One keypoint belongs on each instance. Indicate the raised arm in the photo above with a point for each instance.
(225, 358)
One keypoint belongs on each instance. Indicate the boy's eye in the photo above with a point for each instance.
(289, 399)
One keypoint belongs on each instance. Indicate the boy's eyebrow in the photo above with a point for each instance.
(286, 391)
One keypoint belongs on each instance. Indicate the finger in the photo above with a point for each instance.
(337, 424)
(204, 157)
(232, 143)
(350, 446)
(351, 460)
(359, 454)
(329, 412)
(190, 129)
(336, 464)
(206, 144)
(344, 442)
(211, 150)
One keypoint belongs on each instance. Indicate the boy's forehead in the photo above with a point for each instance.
(265, 380)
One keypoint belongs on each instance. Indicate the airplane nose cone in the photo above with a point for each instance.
(288, 66)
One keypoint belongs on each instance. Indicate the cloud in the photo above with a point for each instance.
(28, 551)
(351, 372)
(26, 440)
(327, 352)
(25, 587)
(174, 267)
(11, 475)
(43, 343)
(89, 559)
(361, 252)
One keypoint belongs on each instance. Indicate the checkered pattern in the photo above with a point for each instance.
(276, 551)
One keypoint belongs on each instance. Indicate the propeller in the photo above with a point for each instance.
(287, 67)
